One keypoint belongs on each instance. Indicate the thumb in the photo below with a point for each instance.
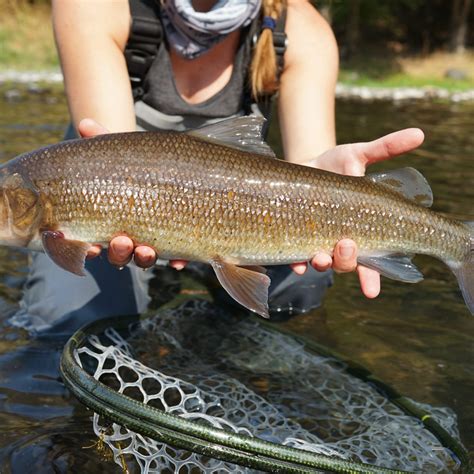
(90, 128)
(390, 145)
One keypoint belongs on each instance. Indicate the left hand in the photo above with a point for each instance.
(353, 159)
(121, 248)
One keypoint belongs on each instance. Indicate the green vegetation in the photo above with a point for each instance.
(404, 43)
(378, 69)
(26, 37)
(402, 80)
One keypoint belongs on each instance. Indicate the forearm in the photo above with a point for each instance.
(307, 89)
(90, 37)
(307, 120)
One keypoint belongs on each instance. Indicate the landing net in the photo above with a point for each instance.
(199, 389)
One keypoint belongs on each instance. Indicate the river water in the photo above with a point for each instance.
(417, 338)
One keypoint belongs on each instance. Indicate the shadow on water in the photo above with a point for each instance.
(418, 338)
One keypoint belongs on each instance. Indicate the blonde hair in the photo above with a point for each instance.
(264, 68)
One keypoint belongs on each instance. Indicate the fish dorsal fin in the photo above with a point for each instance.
(395, 266)
(243, 133)
(247, 286)
(409, 182)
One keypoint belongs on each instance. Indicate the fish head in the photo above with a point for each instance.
(20, 209)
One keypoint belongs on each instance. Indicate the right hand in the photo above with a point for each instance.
(122, 248)
(352, 159)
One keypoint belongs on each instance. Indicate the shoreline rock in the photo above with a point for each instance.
(343, 91)
(30, 77)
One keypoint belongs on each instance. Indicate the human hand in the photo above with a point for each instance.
(122, 248)
(353, 159)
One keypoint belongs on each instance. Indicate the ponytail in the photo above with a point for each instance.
(264, 68)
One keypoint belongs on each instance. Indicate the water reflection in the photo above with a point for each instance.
(419, 338)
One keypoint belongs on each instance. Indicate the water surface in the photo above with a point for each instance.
(417, 338)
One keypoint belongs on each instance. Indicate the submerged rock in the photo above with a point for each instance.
(12, 95)
(35, 89)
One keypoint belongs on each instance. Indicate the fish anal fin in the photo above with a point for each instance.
(248, 287)
(243, 133)
(409, 182)
(395, 266)
(69, 254)
(465, 276)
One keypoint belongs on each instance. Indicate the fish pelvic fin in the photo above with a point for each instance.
(247, 286)
(70, 255)
(464, 272)
(395, 266)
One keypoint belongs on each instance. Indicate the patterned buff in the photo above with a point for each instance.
(192, 33)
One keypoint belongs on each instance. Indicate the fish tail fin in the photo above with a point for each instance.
(464, 272)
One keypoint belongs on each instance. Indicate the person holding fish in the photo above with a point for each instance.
(193, 63)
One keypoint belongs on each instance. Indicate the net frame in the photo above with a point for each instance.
(232, 447)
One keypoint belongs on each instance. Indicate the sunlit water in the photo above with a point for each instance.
(417, 338)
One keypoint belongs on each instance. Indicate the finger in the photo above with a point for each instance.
(321, 261)
(178, 264)
(90, 128)
(345, 256)
(93, 252)
(144, 256)
(120, 251)
(390, 145)
(369, 281)
(299, 268)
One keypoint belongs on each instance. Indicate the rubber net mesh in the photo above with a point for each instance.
(232, 373)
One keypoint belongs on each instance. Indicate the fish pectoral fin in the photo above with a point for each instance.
(408, 182)
(395, 266)
(243, 133)
(70, 255)
(248, 287)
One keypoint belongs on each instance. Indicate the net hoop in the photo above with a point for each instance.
(217, 443)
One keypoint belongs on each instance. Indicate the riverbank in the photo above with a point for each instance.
(26, 37)
(14, 84)
(377, 72)
(28, 56)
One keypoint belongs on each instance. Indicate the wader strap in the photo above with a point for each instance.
(146, 35)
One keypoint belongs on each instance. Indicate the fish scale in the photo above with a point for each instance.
(199, 199)
(276, 212)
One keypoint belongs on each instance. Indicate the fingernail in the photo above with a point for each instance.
(121, 253)
(346, 251)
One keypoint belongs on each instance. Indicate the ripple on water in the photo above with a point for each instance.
(419, 338)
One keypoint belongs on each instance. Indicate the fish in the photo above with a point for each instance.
(219, 195)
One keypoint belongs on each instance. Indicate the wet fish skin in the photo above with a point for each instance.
(195, 199)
